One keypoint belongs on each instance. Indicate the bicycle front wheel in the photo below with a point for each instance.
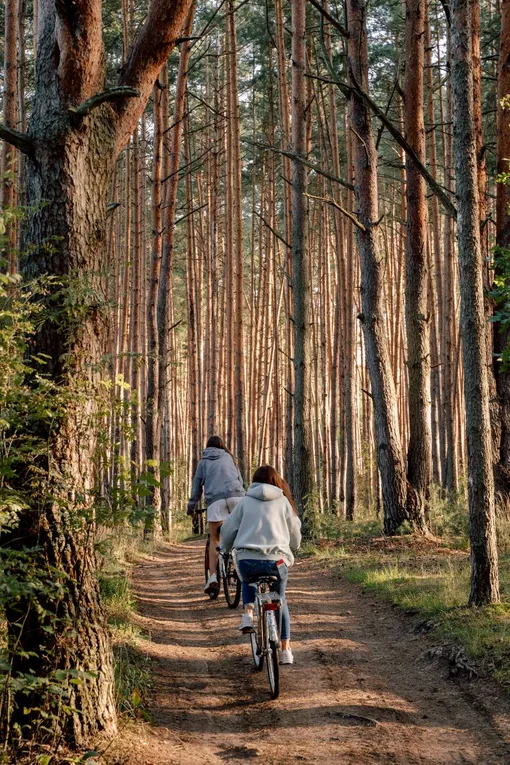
(231, 584)
(272, 659)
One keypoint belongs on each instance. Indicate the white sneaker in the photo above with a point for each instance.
(212, 584)
(286, 657)
(246, 624)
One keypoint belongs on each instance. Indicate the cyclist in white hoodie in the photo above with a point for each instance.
(264, 528)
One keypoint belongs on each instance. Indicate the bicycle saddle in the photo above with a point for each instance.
(263, 579)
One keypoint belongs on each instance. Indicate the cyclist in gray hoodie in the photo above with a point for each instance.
(264, 529)
(223, 487)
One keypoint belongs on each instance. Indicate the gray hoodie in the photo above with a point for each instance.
(263, 525)
(218, 475)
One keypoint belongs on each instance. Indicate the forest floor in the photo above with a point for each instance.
(363, 690)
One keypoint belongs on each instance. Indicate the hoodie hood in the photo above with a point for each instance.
(213, 453)
(264, 492)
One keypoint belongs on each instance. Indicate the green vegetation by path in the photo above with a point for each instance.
(428, 580)
(131, 665)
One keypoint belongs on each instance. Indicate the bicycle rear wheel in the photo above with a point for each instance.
(231, 583)
(272, 660)
(256, 642)
(213, 594)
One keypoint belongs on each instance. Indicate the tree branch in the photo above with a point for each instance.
(20, 140)
(164, 25)
(335, 204)
(112, 94)
(448, 206)
(78, 35)
(334, 23)
(305, 162)
(347, 90)
(276, 234)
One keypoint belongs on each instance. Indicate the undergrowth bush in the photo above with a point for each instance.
(131, 664)
(448, 514)
(27, 399)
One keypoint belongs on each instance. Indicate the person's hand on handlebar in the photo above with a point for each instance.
(191, 509)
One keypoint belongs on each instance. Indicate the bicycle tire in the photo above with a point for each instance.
(273, 663)
(231, 584)
(214, 593)
(256, 643)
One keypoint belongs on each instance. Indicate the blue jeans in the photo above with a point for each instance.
(249, 568)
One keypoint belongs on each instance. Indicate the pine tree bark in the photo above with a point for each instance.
(287, 171)
(239, 388)
(10, 113)
(73, 140)
(303, 464)
(484, 556)
(501, 338)
(390, 457)
(152, 411)
(166, 394)
(419, 454)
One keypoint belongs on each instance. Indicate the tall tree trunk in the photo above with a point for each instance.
(152, 409)
(303, 461)
(9, 154)
(484, 238)
(73, 140)
(419, 455)
(165, 297)
(350, 353)
(287, 171)
(390, 457)
(237, 260)
(437, 281)
(502, 337)
(484, 556)
(192, 318)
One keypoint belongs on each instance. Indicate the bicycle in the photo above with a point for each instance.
(226, 573)
(265, 638)
(230, 578)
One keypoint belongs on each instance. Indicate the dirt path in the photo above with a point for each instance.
(353, 658)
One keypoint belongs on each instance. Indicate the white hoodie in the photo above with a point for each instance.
(263, 525)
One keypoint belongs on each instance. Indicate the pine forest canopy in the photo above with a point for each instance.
(275, 221)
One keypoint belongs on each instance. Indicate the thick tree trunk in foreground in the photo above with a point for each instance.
(389, 449)
(484, 556)
(303, 463)
(72, 145)
(419, 455)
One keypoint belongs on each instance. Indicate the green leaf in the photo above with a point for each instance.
(136, 699)
(44, 759)
(89, 755)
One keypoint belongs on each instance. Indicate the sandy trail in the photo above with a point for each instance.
(354, 657)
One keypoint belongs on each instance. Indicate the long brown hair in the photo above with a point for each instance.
(217, 443)
(267, 474)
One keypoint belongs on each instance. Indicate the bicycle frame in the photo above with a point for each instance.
(269, 603)
(265, 639)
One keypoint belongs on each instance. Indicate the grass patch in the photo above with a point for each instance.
(131, 665)
(428, 579)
